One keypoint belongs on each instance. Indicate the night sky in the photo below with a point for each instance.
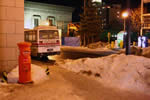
(77, 4)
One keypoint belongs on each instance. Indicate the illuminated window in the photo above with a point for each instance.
(36, 22)
(36, 19)
(51, 20)
(60, 24)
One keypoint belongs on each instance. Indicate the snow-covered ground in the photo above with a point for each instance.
(97, 45)
(121, 71)
(38, 74)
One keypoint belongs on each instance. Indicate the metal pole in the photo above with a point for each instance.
(84, 32)
(128, 30)
(141, 31)
(84, 6)
(124, 24)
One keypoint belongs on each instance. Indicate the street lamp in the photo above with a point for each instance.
(125, 15)
(128, 38)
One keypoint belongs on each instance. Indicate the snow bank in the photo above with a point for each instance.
(121, 71)
(146, 52)
(97, 45)
(138, 51)
(38, 74)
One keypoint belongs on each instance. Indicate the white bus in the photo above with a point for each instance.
(45, 40)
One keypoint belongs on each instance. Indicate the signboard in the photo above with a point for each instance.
(96, 0)
(142, 41)
(120, 38)
(146, 1)
(71, 41)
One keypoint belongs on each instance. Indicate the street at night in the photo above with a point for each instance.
(74, 49)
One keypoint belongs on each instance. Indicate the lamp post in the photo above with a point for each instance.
(125, 15)
(128, 38)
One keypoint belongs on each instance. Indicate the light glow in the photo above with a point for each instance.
(125, 14)
(44, 23)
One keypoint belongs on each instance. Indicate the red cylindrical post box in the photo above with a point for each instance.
(24, 62)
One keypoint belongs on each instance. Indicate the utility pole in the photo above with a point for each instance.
(84, 6)
(124, 24)
(141, 31)
(128, 40)
(84, 39)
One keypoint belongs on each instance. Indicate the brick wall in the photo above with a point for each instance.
(11, 32)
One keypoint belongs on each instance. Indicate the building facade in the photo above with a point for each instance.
(11, 32)
(111, 15)
(39, 13)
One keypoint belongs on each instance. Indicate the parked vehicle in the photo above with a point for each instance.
(45, 40)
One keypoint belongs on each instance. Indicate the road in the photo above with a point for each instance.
(82, 52)
(65, 85)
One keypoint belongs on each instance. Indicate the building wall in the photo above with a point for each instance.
(115, 18)
(110, 15)
(115, 12)
(11, 32)
(62, 14)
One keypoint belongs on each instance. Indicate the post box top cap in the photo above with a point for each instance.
(24, 44)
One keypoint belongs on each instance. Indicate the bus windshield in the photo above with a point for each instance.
(48, 34)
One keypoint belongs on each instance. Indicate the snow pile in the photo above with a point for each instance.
(146, 52)
(138, 51)
(37, 73)
(97, 45)
(134, 50)
(121, 71)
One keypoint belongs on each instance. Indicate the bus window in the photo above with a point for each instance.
(34, 36)
(53, 34)
(43, 34)
(26, 36)
(30, 37)
(56, 34)
(49, 34)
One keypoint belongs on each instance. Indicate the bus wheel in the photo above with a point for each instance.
(39, 56)
(44, 58)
